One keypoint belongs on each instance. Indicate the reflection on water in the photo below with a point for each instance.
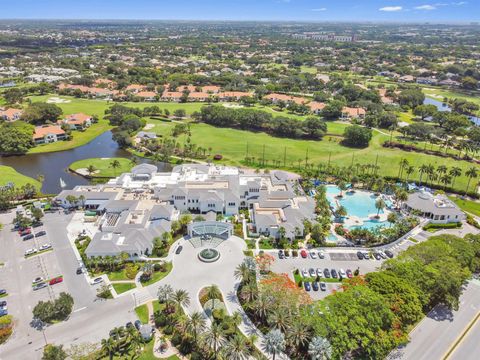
(54, 166)
(444, 107)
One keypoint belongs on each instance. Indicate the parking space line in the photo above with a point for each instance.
(83, 308)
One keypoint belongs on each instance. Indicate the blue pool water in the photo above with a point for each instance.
(360, 204)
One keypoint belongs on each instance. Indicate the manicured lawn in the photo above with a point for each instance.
(158, 275)
(308, 69)
(472, 207)
(232, 145)
(142, 313)
(123, 287)
(103, 166)
(9, 174)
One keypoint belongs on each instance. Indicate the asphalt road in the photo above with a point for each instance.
(469, 347)
(439, 330)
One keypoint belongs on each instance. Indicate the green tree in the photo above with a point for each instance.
(115, 164)
(357, 136)
(53, 352)
(274, 342)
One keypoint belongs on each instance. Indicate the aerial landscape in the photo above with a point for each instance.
(275, 179)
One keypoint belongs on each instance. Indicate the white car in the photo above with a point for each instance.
(319, 272)
(313, 254)
(30, 251)
(97, 280)
(321, 254)
(382, 254)
(38, 280)
(342, 273)
(304, 273)
(45, 247)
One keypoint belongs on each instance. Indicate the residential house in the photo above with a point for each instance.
(211, 89)
(171, 96)
(78, 121)
(147, 95)
(276, 98)
(353, 113)
(10, 114)
(48, 134)
(316, 107)
(198, 96)
(233, 95)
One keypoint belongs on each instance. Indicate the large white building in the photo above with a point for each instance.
(130, 204)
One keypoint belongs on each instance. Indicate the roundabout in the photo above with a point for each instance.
(209, 255)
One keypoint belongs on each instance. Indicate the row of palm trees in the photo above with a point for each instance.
(122, 341)
(285, 332)
(214, 339)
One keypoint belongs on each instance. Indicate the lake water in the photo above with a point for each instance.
(54, 166)
(444, 107)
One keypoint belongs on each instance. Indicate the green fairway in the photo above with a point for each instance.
(439, 94)
(9, 174)
(232, 145)
(123, 287)
(103, 166)
(472, 207)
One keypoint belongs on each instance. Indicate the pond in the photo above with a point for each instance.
(54, 166)
(444, 107)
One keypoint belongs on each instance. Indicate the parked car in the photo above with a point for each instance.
(349, 273)
(360, 255)
(40, 286)
(281, 255)
(179, 249)
(321, 255)
(377, 256)
(334, 273)
(56, 280)
(28, 237)
(315, 286)
(287, 254)
(303, 253)
(38, 280)
(97, 280)
(37, 224)
(30, 251)
(312, 272)
(3, 303)
(389, 253)
(3, 312)
(313, 254)
(319, 272)
(45, 247)
(326, 272)
(137, 324)
(25, 231)
(366, 256)
(128, 325)
(307, 286)
(382, 254)
(342, 273)
(41, 233)
(304, 273)
(79, 270)
(323, 286)
(3, 291)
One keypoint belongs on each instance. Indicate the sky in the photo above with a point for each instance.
(302, 10)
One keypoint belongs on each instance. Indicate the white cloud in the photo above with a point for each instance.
(391, 8)
(319, 9)
(425, 7)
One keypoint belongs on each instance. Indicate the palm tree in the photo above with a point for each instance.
(243, 272)
(165, 294)
(280, 319)
(91, 169)
(454, 173)
(109, 346)
(442, 169)
(379, 205)
(181, 298)
(422, 170)
(196, 324)
(115, 164)
(410, 169)
(471, 173)
(213, 292)
(215, 337)
(445, 180)
(262, 306)
(320, 349)
(237, 348)
(274, 342)
(298, 335)
(341, 211)
(403, 164)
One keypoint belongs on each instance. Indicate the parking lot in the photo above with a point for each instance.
(18, 271)
(333, 260)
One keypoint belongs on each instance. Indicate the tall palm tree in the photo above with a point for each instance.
(237, 348)
(298, 335)
(181, 298)
(91, 169)
(280, 319)
(115, 164)
(454, 173)
(320, 349)
(274, 342)
(471, 173)
(403, 164)
(262, 306)
(196, 324)
(445, 180)
(379, 205)
(243, 272)
(165, 293)
(109, 346)
(422, 170)
(410, 169)
(213, 292)
(215, 337)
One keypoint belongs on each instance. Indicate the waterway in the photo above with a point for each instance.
(54, 166)
(444, 107)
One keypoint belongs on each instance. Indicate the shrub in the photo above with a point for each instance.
(217, 157)
(431, 226)
(131, 270)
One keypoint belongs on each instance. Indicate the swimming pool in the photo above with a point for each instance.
(360, 204)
